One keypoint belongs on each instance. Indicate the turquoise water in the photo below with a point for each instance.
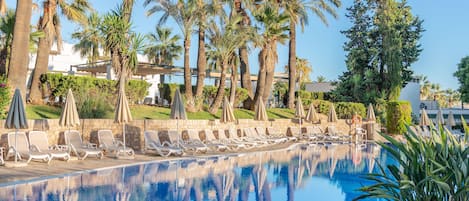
(306, 172)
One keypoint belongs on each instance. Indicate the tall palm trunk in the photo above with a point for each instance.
(42, 56)
(127, 7)
(269, 70)
(221, 89)
(201, 63)
(261, 76)
(234, 83)
(292, 66)
(188, 75)
(19, 59)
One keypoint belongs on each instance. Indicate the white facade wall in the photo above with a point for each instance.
(411, 93)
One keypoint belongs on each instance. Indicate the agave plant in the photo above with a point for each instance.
(434, 168)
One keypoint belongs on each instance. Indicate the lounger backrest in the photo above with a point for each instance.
(331, 130)
(151, 136)
(293, 131)
(39, 139)
(247, 132)
(313, 130)
(73, 137)
(173, 136)
(105, 137)
(261, 131)
(209, 135)
(272, 131)
(19, 141)
(221, 134)
(192, 134)
(414, 130)
(232, 133)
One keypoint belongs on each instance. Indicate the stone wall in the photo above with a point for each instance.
(134, 130)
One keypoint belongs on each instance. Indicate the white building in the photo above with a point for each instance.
(411, 93)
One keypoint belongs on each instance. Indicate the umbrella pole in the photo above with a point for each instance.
(123, 134)
(177, 130)
(16, 148)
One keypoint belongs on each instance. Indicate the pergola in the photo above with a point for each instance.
(143, 68)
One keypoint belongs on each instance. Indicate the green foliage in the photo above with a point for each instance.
(210, 93)
(383, 42)
(434, 168)
(322, 106)
(93, 104)
(398, 115)
(345, 110)
(4, 97)
(462, 75)
(167, 91)
(57, 85)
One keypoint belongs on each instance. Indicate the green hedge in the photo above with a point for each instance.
(4, 97)
(398, 115)
(345, 110)
(57, 85)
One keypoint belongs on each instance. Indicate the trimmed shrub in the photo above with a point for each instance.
(398, 115)
(56, 85)
(345, 110)
(167, 91)
(4, 97)
(210, 92)
(322, 106)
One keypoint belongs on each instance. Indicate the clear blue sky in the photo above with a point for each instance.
(445, 41)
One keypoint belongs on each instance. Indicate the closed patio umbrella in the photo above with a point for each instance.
(332, 116)
(312, 116)
(440, 120)
(16, 117)
(227, 112)
(424, 120)
(122, 113)
(370, 114)
(299, 112)
(261, 113)
(450, 121)
(371, 118)
(69, 116)
(177, 109)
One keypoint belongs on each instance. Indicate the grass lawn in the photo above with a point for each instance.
(151, 112)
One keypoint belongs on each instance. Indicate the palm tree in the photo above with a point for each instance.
(184, 13)
(205, 9)
(321, 78)
(89, 39)
(297, 10)
(49, 23)
(425, 87)
(3, 7)
(19, 57)
(165, 47)
(274, 26)
(225, 38)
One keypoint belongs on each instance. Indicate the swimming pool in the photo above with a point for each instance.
(304, 172)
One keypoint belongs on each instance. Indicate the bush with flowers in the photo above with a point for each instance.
(4, 97)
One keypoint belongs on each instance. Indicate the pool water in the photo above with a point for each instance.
(305, 172)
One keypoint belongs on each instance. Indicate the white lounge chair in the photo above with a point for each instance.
(77, 146)
(165, 149)
(38, 140)
(250, 135)
(262, 133)
(271, 131)
(22, 148)
(194, 141)
(360, 134)
(233, 136)
(334, 135)
(293, 132)
(108, 143)
(314, 133)
(1, 155)
(232, 144)
(176, 140)
(212, 142)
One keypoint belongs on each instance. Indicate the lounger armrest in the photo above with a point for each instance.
(118, 142)
(34, 148)
(62, 147)
(166, 143)
(91, 145)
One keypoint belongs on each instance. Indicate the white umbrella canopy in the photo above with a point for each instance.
(227, 112)
(451, 121)
(261, 112)
(299, 111)
(439, 117)
(16, 117)
(69, 116)
(424, 120)
(370, 113)
(122, 113)
(312, 115)
(332, 117)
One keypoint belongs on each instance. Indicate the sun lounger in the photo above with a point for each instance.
(360, 134)
(233, 135)
(109, 144)
(165, 149)
(212, 142)
(332, 134)
(332, 130)
(22, 148)
(232, 144)
(425, 131)
(293, 132)
(1, 155)
(38, 140)
(250, 135)
(262, 132)
(314, 133)
(176, 140)
(194, 140)
(77, 146)
(271, 131)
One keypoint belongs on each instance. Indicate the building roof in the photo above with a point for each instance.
(319, 87)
